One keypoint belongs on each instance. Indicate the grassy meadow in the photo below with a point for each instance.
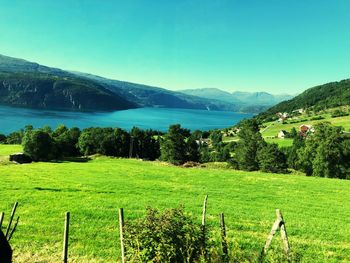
(274, 127)
(316, 210)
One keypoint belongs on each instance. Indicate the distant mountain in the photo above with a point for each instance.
(149, 96)
(212, 93)
(88, 91)
(325, 96)
(246, 101)
(39, 90)
(261, 98)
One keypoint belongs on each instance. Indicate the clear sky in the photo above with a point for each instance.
(279, 46)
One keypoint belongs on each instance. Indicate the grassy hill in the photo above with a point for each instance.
(321, 97)
(315, 209)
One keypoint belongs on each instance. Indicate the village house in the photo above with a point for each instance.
(282, 134)
(305, 129)
(299, 111)
(282, 116)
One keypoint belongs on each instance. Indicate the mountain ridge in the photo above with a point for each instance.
(125, 94)
(329, 95)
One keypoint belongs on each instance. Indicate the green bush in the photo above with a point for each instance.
(170, 236)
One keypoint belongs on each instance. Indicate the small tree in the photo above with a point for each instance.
(271, 159)
(326, 153)
(250, 140)
(173, 146)
(39, 145)
(2, 138)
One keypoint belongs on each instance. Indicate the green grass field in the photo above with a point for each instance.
(275, 127)
(316, 210)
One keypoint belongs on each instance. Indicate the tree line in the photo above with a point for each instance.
(324, 153)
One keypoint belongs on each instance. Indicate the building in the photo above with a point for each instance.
(306, 129)
(282, 134)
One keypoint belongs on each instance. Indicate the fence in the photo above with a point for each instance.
(279, 224)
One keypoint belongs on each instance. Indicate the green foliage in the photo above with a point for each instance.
(67, 140)
(14, 138)
(245, 156)
(106, 141)
(298, 143)
(170, 236)
(145, 144)
(177, 146)
(321, 97)
(271, 159)
(339, 113)
(216, 138)
(39, 145)
(2, 138)
(326, 153)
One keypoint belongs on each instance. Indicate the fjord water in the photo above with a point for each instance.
(13, 119)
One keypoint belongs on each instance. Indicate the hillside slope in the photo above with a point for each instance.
(48, 91)
(325, 96)
(313, 208)
(124, 94)
(149, 96)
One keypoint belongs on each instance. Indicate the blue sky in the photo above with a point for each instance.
(280, 46)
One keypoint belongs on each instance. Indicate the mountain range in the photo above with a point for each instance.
(247, 101)
(29, 84)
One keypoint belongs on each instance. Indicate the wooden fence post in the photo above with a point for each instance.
(284, 235)
(65, 238)
(223, 238)
(204, 217)
(2, 215)
(11, 219)
(203, 225)
(121, 229)
(279, 224)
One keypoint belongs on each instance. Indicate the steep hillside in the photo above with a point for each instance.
(47, 91)
(121, 94)
(149, 96)
(325, 96)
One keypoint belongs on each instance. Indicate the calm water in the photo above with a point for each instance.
(13, 119)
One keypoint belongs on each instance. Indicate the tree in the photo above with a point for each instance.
(15, 137)
(326, 153)
(271, 159)
(67, 140)
(2, 138)
(292, 159)
(107, 141)
(173, 146)
(250, 140)
(39, 145)
(193, 149)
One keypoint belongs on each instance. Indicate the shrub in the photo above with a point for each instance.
(271, 159)
(2, 138)
(170, 236)
(39, 145)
